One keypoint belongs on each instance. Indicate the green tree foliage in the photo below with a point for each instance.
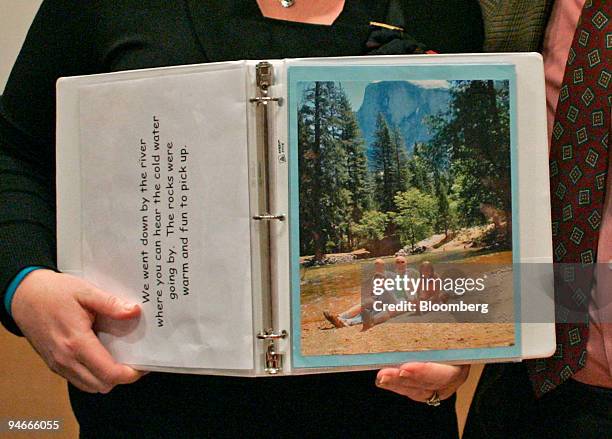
(382, 165)
(418, 170)
(389, 164)
(372, 226)
(358, 183)
(334, 189)
(400, 165)
(416, 216)
(429, 171)
(448, 182)
(444, 218)
(471, 148)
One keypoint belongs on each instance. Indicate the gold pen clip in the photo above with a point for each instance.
(386, 26)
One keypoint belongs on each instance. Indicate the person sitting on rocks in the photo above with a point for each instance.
(428, 289)
(353, 315)
(364, 313)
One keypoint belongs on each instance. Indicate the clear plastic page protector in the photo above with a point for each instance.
(165, 215)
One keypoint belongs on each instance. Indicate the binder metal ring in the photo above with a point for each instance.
(269, 217)
(265, 99)
(271, 335)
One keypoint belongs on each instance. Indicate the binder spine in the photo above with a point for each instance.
(270, 336)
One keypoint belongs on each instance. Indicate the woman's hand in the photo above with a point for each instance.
(56, 312)
(419, 381)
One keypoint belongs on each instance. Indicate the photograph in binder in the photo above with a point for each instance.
(405, 214)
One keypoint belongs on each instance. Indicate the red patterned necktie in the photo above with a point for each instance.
(578, 166)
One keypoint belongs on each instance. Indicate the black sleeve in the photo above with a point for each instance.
(56, 45)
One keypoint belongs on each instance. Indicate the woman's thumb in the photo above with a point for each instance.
(100, 302)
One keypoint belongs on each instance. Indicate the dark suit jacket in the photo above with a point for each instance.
(514, 25)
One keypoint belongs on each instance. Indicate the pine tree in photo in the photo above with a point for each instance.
(335, 196)
(418, 171)
(334, 190)
(400, 168)
(358, 184)
(475, 135)
(467, 161)
(383, 165)
(307, 174)
(444, 218)
(312, 137)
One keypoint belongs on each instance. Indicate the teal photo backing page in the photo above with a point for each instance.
(371, 73)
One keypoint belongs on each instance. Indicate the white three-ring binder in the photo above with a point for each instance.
(179, 189)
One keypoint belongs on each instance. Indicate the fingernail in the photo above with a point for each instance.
(382, 381)
(129, 307)
(404, 373)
